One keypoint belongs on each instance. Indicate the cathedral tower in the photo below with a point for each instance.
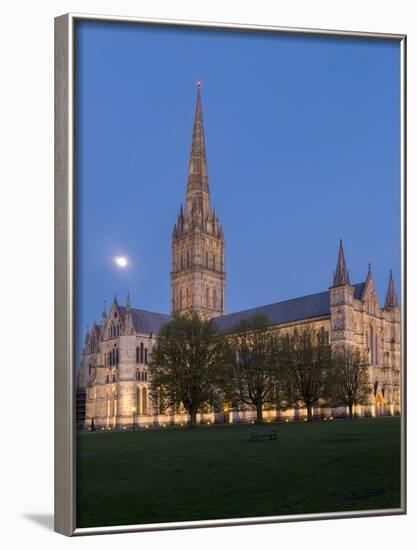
(341, 303)
(198, 278)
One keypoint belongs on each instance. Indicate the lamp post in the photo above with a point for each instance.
(133, 417)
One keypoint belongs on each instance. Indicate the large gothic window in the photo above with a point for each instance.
(141, 352)
(138, 400)
(144, 401)
(371, 344)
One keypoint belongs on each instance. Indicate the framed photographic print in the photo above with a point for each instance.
(230, 274)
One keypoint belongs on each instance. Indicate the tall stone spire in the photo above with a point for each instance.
(391, 299)
(341, 275)
(198, 196)
(198, 278)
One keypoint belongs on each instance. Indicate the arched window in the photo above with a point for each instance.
(207, 260)
(114, 377)
(188, 259)
(146, 355)
(113, 356)
(141, 352)
(371, 345)
(137, 354)
(117, 356)
(137, 374)
(145, 376)
(214, 298)
(207, 296)
(107, 377)
(138, 400)
(144, 401)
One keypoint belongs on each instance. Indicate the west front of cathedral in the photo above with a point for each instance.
(113, 387)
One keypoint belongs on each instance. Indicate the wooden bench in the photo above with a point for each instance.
(258, 435)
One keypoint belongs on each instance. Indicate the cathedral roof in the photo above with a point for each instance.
(297, 309)
(146, 322)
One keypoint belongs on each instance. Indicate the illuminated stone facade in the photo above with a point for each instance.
(113, 379)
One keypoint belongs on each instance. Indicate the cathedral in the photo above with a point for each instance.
(113, 380)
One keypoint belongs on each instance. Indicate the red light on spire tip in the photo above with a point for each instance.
(198, 84)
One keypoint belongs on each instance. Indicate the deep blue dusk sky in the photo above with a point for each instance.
(303, 147)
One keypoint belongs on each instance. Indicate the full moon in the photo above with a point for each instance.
(120, 261)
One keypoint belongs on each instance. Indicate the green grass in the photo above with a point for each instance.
(217, 472)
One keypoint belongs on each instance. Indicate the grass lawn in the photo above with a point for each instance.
(180, 474)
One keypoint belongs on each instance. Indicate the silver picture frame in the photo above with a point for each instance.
(65, 257)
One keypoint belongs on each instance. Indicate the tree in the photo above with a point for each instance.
(308, 358)
(349, 381)
(184, 364)
(253, 370)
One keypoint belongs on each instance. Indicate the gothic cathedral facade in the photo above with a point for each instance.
(113, 379)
